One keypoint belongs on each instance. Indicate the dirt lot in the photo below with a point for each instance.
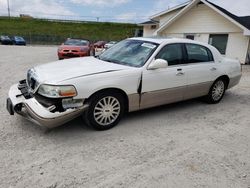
(189, 144)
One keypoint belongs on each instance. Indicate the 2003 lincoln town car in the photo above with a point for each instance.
(135, 74)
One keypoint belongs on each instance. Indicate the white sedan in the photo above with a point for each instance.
(137, 73)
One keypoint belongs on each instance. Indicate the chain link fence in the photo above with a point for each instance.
(43, 39)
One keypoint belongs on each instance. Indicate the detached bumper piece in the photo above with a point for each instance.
(20, 101)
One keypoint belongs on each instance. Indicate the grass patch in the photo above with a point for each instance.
(54, 32)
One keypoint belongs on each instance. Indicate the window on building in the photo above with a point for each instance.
(219, 41)
(188, 36)
(153, 26)
(198, 54)
(172, 53)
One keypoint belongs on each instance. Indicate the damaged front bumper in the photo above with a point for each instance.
(32, 110)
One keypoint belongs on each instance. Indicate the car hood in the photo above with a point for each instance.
(59, 71)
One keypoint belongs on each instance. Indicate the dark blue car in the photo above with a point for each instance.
(5, 40)
(17, 40)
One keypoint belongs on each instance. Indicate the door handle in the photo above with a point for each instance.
(179, 73)
(213, 69)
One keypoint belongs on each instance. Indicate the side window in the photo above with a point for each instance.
(172, 53)
(198, 54)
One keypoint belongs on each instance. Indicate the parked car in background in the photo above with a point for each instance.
(109, 44)
(17, 40)
(75, 48)
(5, 39)
(100, 44)
(137, 73)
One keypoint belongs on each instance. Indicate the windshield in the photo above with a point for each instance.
(75, 42)
(133, 53)
(19, 38)
(5, 37)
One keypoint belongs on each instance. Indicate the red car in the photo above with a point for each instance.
(75, 48)
(100, 44)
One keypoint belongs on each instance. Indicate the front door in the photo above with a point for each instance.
(165, 85)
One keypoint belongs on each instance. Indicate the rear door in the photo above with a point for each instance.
(201, 70)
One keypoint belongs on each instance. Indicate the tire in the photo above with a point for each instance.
(216, 92)
(105, 110)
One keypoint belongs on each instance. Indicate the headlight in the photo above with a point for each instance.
(59, 49)
(83, 49)
(51, 91)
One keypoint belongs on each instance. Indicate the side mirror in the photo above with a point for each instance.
(158, 64)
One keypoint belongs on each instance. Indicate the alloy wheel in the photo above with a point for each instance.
(107, 110)
(218, 90)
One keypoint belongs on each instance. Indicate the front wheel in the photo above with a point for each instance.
(105, 110)
(216, 92)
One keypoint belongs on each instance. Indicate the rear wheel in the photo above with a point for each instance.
(105, 110)
(216, 92)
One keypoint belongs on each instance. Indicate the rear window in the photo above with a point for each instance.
(198, 54)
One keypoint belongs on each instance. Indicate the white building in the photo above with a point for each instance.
(204, 21)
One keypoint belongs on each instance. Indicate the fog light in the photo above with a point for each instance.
(72, 103)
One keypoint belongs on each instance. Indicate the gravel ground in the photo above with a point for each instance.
(188, 144)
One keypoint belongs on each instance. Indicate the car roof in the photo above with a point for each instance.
(161, 40)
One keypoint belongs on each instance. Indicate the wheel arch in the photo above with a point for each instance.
(110, 90)
(224, 78)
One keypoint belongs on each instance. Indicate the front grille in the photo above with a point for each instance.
(70, 55)
(70, 50)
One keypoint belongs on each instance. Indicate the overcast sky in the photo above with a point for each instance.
(134, 11)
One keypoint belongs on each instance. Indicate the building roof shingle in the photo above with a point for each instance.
(243, 20)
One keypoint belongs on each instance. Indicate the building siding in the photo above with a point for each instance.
(166, 17)
(202, 19)
(147, 31)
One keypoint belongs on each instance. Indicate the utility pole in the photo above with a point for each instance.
(8, 3)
